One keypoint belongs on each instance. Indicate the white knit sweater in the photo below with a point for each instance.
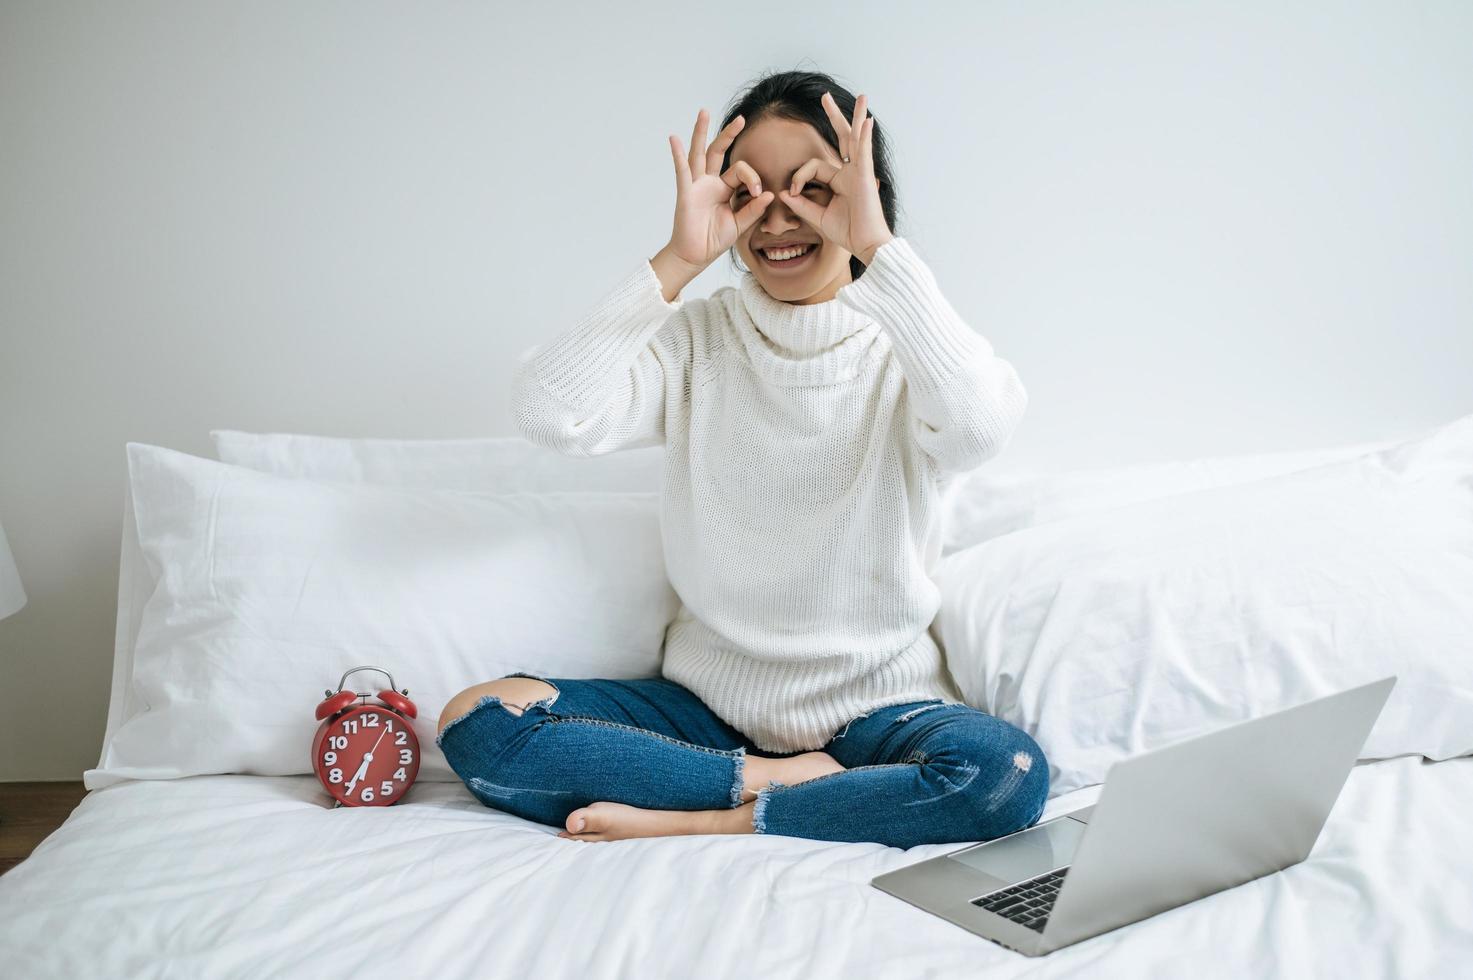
(804, 445)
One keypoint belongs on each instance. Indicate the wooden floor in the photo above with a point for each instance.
(29, 812)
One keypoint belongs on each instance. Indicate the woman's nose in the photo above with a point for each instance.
(779, 215)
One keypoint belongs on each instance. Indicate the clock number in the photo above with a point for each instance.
(329, 758)
(370, 720)
(400, 775)
(401, 738)
(386, 788)
(405, 757)
(351, 727)
(335, 775)
(338, 741)
(368, 794)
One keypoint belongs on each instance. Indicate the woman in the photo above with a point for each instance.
(808, 416)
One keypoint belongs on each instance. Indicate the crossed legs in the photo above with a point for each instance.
(607, 820)
(609, 759)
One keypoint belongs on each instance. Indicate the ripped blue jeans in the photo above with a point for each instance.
(924, 772)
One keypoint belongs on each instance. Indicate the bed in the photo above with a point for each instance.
(1106, 612)
(251, 876)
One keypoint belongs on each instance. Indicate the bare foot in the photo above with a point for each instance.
(606, 820)
(795, 769)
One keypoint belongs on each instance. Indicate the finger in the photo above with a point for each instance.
(803, 208)
(831, 108)
(698, 140)
(740, 173)
(682, 168)
(867, 147)
(858, 120)
(836, 119)
(717, 152)
(817, 167)
(803, 175)
(751, 212)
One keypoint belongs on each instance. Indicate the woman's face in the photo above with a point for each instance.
(775, 148)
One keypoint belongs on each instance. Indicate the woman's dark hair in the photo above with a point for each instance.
(795, 95)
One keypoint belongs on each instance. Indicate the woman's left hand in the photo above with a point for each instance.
(853, 219)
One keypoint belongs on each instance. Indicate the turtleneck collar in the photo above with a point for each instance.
(817, 343)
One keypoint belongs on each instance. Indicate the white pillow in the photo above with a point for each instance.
(268, 588)
(135, 584)
(983, 504)
(488, 465)
(1105, 635)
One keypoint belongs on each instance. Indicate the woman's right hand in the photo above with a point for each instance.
(705, 225)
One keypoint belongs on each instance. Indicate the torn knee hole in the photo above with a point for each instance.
(1010, 783)
(513, 709)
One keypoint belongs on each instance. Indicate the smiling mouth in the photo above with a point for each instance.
(794, 257)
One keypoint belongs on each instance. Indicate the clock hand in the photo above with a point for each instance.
(363, 766)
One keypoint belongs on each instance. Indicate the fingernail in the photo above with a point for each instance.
(582, 822)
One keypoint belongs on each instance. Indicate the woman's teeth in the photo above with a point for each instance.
(783, 254)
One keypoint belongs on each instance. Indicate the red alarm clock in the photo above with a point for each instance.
(366, 754)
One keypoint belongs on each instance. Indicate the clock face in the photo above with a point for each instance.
(368, 756)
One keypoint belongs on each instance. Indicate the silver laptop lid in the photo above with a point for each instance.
(1211, 812)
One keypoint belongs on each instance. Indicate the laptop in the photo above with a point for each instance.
(1170, 826)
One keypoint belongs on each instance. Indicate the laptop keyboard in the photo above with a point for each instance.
(1028, 902)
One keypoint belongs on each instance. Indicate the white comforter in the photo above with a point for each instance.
(253, 876)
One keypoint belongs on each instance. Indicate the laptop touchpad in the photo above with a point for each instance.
(1021, 856)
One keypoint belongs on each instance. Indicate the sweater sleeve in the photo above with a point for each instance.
(606, 384)
(963, 401)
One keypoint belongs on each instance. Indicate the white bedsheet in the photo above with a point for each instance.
(253, 876)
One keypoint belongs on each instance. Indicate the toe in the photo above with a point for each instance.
(577, 821)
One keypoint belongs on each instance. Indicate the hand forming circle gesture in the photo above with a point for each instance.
(705, 224)
(853, 219)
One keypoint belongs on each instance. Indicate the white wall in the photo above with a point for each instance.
(1195, 229)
